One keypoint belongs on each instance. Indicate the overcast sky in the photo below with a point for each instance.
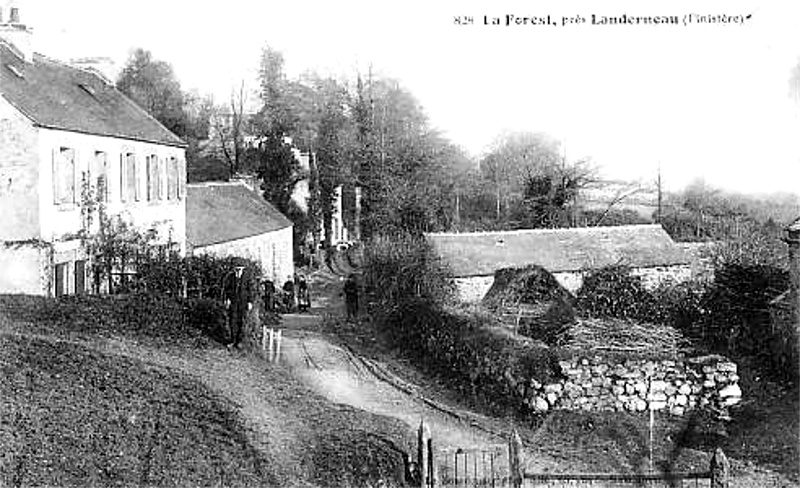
(706, 101)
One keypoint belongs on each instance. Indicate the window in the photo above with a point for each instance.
(153, 180)
(100, 170)
(80, 277)
(137, 178)
(129, 189)
(181, 178)
(162, 177)
(64, 175)
(61, 279)
(172, 178)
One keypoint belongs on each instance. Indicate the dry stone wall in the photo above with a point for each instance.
(637, 385)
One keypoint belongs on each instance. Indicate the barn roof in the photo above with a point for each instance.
(55, 95)
(224, 212)
(557, 250)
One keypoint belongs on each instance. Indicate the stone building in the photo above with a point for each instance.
(566, 253)
(70, 144)
(231, 219)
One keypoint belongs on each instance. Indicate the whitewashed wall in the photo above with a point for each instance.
(272, 250)
(474, 288)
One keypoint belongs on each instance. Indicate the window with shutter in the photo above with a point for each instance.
(172, 178)
(132, 188)
(181, 178)
(123, 179)
(64, 175)
(101, 175)
(138, 179)
(152, 175)
(161, 178)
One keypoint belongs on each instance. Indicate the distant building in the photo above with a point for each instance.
(566, 253)
(70, 142)
(230, 219)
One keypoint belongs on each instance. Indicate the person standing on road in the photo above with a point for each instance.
(303, 295)
(351, 297)
(269, 294)
(289, 295)
(238, 301)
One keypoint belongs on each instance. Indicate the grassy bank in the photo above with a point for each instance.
(78, 417)
(104, 391)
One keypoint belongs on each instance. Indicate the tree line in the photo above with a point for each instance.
(368, 131)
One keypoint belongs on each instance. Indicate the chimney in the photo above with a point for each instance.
(14, 32)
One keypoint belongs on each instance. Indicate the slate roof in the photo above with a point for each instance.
(55, 95)
(557, 250)
(223, 212)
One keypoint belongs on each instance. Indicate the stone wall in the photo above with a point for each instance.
(638, 385)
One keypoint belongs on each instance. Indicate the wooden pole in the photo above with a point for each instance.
(278, 341)
(271, 344)
(422, 457)
(720, 470)
(515, 460)
(431, 464)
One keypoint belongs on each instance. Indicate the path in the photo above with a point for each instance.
(343, 377)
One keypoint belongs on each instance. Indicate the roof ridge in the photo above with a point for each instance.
(544, 230)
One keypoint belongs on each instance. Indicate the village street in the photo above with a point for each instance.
(343, 376)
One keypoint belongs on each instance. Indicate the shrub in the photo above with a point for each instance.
(681, 305)
(464, 348)
(402, 266)
(738, 307)
(208, 316)
(614, 292)
(143, 317)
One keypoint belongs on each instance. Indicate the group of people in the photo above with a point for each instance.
(293, 296)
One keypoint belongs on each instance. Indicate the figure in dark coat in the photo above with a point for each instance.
(288, 295)
(351, 296)
(238, 301)
(269, 295)
(303, 295)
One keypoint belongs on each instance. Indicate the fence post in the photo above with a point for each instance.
(278, 340)
(422, 456)
(720, 470)
(515, 460)
(263, 338)
(271, 333)
(431, 464)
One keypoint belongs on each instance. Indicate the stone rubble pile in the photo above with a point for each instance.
(637, 385)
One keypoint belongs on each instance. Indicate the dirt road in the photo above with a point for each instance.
(342, 377)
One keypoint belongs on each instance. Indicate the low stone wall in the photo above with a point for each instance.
(638, 385)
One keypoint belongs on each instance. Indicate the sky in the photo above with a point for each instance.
(703, 100)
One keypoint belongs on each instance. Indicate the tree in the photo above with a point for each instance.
(278, 169)
(276, 115)
(229, 126)
(513, 161)
(152, 84)
(550, 193)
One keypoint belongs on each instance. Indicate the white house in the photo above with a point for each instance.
(566, 253)
(231, 219)
(70, 142)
